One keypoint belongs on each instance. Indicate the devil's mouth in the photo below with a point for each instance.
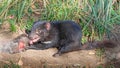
(33, 40)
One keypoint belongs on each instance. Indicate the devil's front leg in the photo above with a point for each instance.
(43, 45)
(68, 47)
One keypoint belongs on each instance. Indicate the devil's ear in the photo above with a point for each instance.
(47, 25)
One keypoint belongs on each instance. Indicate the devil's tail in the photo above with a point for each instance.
(99, 44)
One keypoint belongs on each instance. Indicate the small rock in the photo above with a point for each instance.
(91, 53)
(20, 62)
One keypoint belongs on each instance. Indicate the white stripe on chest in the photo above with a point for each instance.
(47, 42)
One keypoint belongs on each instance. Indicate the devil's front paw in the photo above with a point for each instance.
(57, 54)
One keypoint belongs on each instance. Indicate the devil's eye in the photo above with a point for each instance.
(40, 31)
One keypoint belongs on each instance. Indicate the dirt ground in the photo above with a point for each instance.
(40, 58)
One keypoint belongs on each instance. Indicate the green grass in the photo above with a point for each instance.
(61, 10)
(14, 11)
(11, 65)
(100, 52)
(96, 17)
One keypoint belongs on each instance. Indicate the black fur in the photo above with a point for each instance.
(64, 35)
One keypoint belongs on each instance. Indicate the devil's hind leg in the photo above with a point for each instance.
(68, 47)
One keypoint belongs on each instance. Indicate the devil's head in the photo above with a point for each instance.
(39, 31)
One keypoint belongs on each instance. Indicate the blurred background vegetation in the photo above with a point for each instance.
(97, 17)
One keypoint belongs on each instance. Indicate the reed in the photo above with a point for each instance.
(98, 17)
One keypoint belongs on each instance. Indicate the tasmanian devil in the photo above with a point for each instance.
(63, 35)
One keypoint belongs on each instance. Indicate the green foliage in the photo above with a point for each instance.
(100, 66)
(110, 66)
(98, 17)
(11, 65)
(14, 11)
(12, 25)
(27, 25)
(100, 52)
(61, 10)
